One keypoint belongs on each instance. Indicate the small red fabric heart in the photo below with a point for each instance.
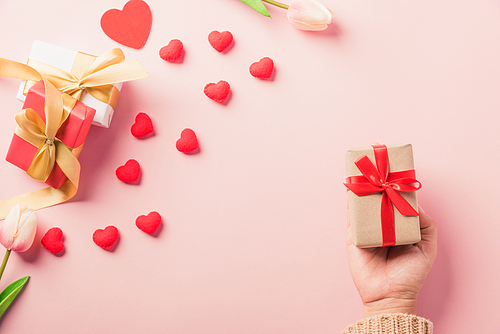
(142, 126)
(52, 240)
(148, 223)
(220, 40)
(105, 238)
(130, 172)
(217, 92)
(188, 141)
(172, 52)
(129, 26)
(263, 69)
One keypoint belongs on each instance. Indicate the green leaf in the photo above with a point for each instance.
(10, 292)
(258, 6)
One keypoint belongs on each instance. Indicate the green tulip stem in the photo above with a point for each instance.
(276, 3)
(4, 263)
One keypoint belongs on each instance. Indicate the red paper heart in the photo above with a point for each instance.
(148, 223)
(188, 141)
(172, 52)
(142, 126)
(105, 238)
(217, 92)
(130, 172)
(129, 26)
(263, 69)
(220, 40)
(52, 240)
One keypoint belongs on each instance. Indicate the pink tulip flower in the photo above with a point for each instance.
(309, 15)
(18, 231)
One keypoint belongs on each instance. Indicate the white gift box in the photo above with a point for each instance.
(64, 59)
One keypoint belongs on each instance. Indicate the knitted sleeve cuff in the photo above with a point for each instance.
(395, 323)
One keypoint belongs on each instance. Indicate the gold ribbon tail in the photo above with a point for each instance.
(39, 199)
(13, 69)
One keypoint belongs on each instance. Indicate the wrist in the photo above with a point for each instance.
(390, 305)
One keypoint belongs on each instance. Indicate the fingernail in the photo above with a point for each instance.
(420, 209)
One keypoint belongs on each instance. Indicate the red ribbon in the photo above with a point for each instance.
(378, 179)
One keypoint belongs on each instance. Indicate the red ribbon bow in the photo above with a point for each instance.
(378, 179)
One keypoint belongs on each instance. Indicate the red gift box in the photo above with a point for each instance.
(72, 133)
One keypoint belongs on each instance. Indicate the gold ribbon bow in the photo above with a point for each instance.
(96, 77)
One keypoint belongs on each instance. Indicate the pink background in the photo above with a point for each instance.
(254, 224)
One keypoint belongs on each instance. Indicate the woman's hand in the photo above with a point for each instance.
(389, 279)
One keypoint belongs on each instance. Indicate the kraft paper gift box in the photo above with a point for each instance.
(66, 60)
(377, 221)
(72, 133)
